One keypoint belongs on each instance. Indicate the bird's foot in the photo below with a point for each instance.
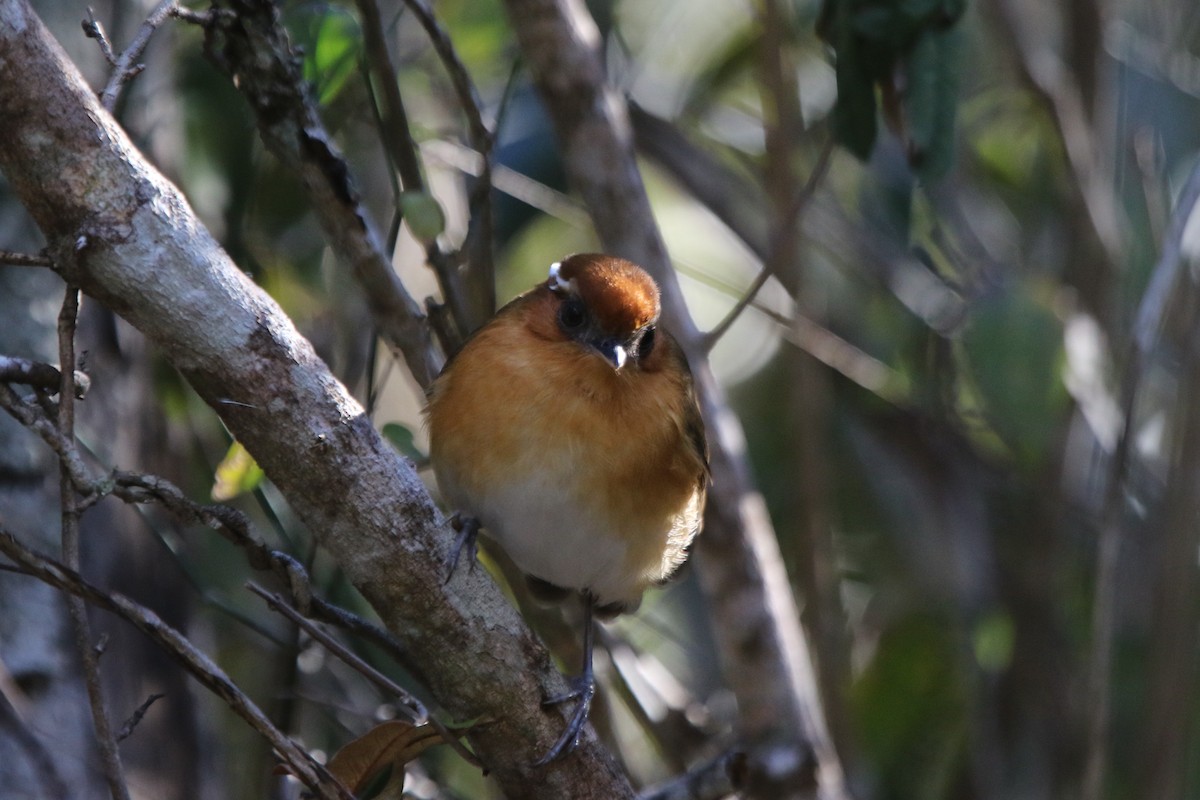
(467, 539)
(583, 689)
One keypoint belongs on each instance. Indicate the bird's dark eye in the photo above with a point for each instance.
(571, 315)
(646, 346)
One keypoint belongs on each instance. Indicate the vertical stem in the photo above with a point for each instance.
(76, 606)
(816, 571)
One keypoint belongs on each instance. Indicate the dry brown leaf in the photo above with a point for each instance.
(388, 743)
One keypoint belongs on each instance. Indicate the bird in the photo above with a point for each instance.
(567, 430)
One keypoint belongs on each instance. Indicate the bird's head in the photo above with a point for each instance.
(607, 305)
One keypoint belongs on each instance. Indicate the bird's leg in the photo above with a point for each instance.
(467, 539)
(583, 689)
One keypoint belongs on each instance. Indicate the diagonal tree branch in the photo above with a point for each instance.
(252, 48)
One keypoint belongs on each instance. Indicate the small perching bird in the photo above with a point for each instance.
(567, 429)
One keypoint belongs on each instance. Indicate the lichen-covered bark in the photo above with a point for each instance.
(125, 235)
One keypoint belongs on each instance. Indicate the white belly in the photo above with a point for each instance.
(553, 533)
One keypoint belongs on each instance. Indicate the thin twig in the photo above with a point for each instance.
(94, 30)
(110, 757)
(790, 218)
(194, 660)
(1045, 74)
(39, 375)
(12, 259)
(481, 281)
(713, 780)
(230, 523)
(419, 715)
(131, 724)
(126, 66)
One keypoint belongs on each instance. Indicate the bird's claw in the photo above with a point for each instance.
(467, 539)
(583, 689)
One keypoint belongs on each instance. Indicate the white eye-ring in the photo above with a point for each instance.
(557, 284)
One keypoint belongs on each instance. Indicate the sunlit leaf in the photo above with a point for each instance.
(237, 474)
(333, 54)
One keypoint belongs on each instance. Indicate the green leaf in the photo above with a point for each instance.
(423, 214)
(1015, 349)
(334, 54)
(403, 440)
(993, 641)
(932, 102)
(237, 474)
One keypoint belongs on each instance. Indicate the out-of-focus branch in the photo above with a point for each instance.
(419, 715)
(763, 649)
(781, 248)
(228, 522)
(477, 249)
(106, 740)
(252, 48)
(714, 780)
(1153, 310)
(183, 651)
(39, 375)
(9, 258)
(808, 397)
(1061, 92)
(123, 233)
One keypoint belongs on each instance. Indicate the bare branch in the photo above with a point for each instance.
(1046, 75)
(419, 715)
(126, 66)
(39, 375)
(253, 49)
(131, 724)
(714, 780)
(1151, 313)
(184, 652)
(12, 259)
(106, 741)
(402, 153)
(94, 30)
(772, 266)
